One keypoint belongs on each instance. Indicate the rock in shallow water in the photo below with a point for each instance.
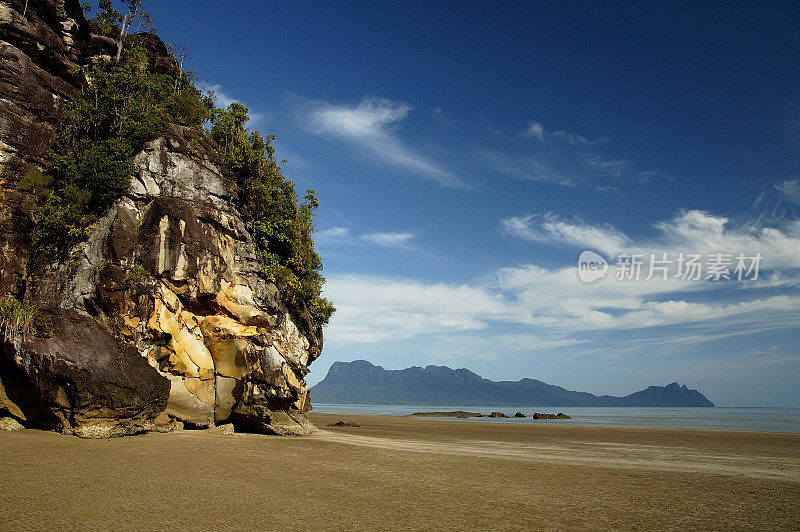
(344, 424)
(560, 415)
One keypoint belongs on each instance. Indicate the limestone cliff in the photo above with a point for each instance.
(162, 315)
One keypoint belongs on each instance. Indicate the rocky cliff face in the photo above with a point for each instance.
(38, 50)
(162, 316)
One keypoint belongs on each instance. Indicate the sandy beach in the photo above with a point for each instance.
(402, 472)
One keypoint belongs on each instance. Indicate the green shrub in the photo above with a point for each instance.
(138, 273)
(280, 225)
(16, 319)
(124, 106)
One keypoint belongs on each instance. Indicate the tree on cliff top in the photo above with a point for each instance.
(125, 104)
(280, 225)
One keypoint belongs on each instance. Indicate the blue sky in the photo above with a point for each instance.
(466, 153)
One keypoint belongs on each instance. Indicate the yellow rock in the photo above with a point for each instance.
(190, 350)
(226, 397)
(206, 374)
(225, 325)
(238, 300)
(204, 390)
(185, 405)
(170, 299)
(229, 356)
(291, 378)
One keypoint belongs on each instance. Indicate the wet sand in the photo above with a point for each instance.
(403, 472)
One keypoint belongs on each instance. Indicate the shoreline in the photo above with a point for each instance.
(529, 420)
(321, 419)
(402, 472)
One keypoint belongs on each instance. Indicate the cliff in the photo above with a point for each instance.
(163, 315)
(360, 382)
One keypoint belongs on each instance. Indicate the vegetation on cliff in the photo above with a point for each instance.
(280, 225)
(16, 319)
(129, 100)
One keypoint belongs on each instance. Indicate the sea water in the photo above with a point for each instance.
(719, 418)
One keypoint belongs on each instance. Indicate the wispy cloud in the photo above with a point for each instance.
(372, 125)
(438, 114)
(771, 350)
(689, 231)
(621, 169)
(344, 236)
(375, 309)
(565, 158)
(790, 190)
(389, 240)
(529, 168)
(608, 167)
(332, 235)
(576, 140)
(549, 228)
(556, 309)
(536, 131)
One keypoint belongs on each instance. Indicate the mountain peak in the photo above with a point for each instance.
(362, 382)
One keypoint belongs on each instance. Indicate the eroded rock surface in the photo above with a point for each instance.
(163, 315)
(39, 47)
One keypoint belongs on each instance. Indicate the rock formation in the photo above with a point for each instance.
(162, 315)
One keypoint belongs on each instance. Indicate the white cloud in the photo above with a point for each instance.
(398, 240)
(569, 138)
(536, 131)
(366, 120)
(611, 168)
(689, 231)
(549, 228)
(790, 189)
(556, 299)
(335, 234)
(528, 168)
(552, 302)
(556, 309)
(345, 236)
(220, 97)
(371, 125)
(455, 349)
(375, 309)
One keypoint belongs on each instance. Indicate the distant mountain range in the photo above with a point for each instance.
(360, 382)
